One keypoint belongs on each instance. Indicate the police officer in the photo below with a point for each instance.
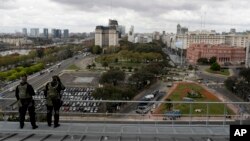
(24, 93)
(53, 98)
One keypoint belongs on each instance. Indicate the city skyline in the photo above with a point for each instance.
(146, 16)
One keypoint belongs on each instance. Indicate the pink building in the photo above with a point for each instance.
(224, 53)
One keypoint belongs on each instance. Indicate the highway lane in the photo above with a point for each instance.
(40, 80)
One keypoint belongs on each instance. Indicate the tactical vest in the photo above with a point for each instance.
(52, 94)
(23, 94)
(52, 91)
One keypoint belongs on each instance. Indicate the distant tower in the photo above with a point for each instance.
(178, 29)
(25, 31)
(46, 33)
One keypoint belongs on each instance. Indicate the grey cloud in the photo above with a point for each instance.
(141, 6)
(7, 4)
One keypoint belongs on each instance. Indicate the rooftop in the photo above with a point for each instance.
(9, 131)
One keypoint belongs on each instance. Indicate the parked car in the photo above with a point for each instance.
(172, 115)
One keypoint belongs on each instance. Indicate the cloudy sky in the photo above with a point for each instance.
(145, 15)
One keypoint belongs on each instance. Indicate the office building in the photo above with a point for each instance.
(56, 33)
(131, 34)
(45, 33)
(65, 33)
(34, 32)
(107, 35)
(181, 30)
(25, 32)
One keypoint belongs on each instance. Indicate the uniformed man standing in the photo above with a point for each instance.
(53, 98)
(24, 93)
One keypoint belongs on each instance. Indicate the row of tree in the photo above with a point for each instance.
(19, 71)
(240, 85)
(130, 56)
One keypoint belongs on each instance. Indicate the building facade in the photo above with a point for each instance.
(25, 32)
(107, 35)
(34, 32)
(247, 63)
(56, 33)
(223, 53)
(46, 33)
(65, 33)
(198, 37)
(131, 34)
(16, 41)
(181, 30)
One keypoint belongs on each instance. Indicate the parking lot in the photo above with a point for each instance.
(73, 98)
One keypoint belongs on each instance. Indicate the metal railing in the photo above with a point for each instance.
(157, 112)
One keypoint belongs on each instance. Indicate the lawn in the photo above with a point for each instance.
(182, 90)
(221, 72)
(73, 67)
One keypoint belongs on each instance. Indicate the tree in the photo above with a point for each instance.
(93, 65)
(112, 77)
(230, 83)
(40, 53)
(202, 61)
(212, 60)
(215, 67)
(89, 66)
(105, 64)
(245, 73)
(96, 49)
(141, 78)
(169, 105)
(190, 67)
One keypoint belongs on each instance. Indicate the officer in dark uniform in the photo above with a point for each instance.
(53, 99)
(24, 93)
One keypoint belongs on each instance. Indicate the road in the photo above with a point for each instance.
(176, 59)
(217, 83)
(131, 107)
(37, 81)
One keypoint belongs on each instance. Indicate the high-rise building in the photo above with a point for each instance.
(56, 33)
(156, 35)
(107, 35)
(121, 30)
(34, 32)
(45, 33)
(25, 31)
(131, 35)
(65, 33)
(113, 23)
(181, 30)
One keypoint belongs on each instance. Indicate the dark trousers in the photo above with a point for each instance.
(56, 107)
(27, 104)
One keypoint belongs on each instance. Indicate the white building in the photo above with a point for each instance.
(107, 35)
(239, 40)
(203, 36)
(16, 41)
(131, 34)
(143, 38)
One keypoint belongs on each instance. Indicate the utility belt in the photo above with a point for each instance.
(26, 102)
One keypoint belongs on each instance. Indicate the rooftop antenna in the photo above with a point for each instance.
(205, 19)
(111, 7)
